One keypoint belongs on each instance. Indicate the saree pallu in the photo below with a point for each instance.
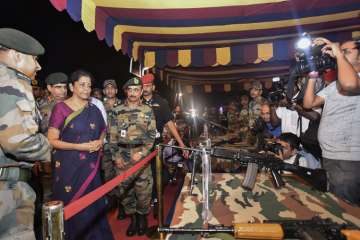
(77, 173)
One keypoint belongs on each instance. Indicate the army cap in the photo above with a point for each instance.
(20, 41)
(256, 85)
(56, 78)
(111, 82)
(132, 82)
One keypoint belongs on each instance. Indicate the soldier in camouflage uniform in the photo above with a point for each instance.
(232, 118)
(257, 100)
(19, 137)
(110, 91)
(56, 84)
(131, 135)
(244, 117)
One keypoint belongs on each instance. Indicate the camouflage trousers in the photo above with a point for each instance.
(135, 192)
(16, 210)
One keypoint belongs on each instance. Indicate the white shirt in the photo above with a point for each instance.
(100, 106)
(289, 121)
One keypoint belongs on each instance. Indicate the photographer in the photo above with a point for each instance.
(263, 129)
(292, 153)
(339, 131)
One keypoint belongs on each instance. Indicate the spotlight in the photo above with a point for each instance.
(304, 42)
(193, 112)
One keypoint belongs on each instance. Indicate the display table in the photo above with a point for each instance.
(230, 203)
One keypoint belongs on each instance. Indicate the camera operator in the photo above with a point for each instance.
(339, 131)
(291, 152)
(263, 129)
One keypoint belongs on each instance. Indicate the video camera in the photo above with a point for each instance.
(309, 57)
(278, 90)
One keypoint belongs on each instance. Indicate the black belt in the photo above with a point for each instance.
(123, 145)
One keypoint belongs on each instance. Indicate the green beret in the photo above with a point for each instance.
(56, 78)
(20, 41)
(132, 82)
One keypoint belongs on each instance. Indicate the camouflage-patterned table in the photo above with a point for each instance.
(230, 203)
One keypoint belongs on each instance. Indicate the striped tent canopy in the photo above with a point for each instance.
(221, 78)
(200, 33)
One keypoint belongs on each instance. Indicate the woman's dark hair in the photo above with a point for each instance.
(290, 138)
(75, 76)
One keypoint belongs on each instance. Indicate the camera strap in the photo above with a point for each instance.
(297, 159)
(299, 124)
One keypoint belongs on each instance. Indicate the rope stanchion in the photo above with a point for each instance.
(83, 202)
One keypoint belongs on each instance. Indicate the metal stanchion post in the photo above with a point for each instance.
(53, 220)
(159, 189)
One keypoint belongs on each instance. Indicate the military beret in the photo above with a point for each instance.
(111, 82)
(147, 78)
(20, 41)
(132, 82)
(56, 78)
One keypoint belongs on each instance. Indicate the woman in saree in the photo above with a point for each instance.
(76, 132)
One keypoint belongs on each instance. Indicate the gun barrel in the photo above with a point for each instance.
(240, 231)
(196, 230)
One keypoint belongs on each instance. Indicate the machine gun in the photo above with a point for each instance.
(255, 161)
(311, 229)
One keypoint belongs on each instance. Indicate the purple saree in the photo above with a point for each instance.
(76, 173)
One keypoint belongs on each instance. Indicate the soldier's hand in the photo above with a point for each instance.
(119, 162)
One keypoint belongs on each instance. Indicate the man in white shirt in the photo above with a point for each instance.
(293, 153)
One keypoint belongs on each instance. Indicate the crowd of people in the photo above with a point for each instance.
(84, 137)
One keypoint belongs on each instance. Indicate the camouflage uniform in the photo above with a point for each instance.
(254, 110)
(46, 108)
(243, 123)
(19, 140)
(108, 107)
(233, 120)
(130, 131)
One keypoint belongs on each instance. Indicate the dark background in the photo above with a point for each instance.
(68, 45)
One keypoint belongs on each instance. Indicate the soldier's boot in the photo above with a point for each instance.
(133, 227)
(142, 224)
(121, 213)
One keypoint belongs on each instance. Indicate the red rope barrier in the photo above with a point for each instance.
(83, 202)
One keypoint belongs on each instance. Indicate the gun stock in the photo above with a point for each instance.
(351, 234)
(258, 231)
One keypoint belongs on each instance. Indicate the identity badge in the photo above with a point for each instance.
(123, 133)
